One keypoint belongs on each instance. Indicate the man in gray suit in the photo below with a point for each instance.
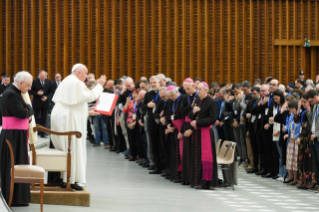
(312, 114)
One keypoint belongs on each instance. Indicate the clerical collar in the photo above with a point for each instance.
(193, 94)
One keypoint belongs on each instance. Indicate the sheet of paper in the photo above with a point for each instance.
(105, 102)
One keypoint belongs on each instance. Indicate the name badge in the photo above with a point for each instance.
(154, 109)
(227, 117)
(134, 116)
(292, 135)
(235, 111)
(172, 117)
(300, 129)
(253, 118)
(121, 106)
(266, 111)
(259, 116)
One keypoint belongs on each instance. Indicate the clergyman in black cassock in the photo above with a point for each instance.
(205, 172)
(15, 118)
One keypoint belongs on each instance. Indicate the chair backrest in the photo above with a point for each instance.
(218, 146)
(12, 172)
(223, 149)
(230, 153)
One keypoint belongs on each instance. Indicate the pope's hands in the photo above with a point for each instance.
(102, 80)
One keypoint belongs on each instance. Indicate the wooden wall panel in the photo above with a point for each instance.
(216, 40)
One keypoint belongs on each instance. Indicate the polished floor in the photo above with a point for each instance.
(116, 184)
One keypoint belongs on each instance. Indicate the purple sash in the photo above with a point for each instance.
(207, 154)
(178, 125)
(14, 123)
(187, 119)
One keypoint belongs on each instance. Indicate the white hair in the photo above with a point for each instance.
(191, 83)
(129, 79)
(162, 88)
(309, 81)
(282, 88)
(168, 80)
(155, 77)
(161, 76)
(77, 67)
(22, 76)
(309, 87)
(265, 85)
(90, 74)
(174, 90)
(206, 88)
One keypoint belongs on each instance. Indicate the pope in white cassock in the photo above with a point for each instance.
(70, 114)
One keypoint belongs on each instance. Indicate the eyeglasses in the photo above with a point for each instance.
(272, 84)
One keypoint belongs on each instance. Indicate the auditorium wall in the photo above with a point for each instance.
(217, 40)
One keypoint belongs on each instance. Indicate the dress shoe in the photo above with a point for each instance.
(164, 174)
(184, 183)
(176, 181)
(76, 187)
(293, 183)
(288, 181)
(146, 165)
(252, 170)
(96, 144)
(63, 185)
(167, 177)
(269, 175)
(261, 172)
(201, 188)
(131, 158)
(128, 156)
(313, 189)
(151, 168)
(155, 171)
(113, 150)
(275, 177)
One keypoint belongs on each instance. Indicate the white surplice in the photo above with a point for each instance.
(70, 114)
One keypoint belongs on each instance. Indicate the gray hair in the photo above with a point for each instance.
(266, 85)
(223, 91)
(162, 88)
(174, 90)
(90, 74)
(282, 88)
(309, 82)
(310, 87)
(129, 79)
(246, 84)
(168, 80)
(22, 76)
(155, 77)
(161, 76)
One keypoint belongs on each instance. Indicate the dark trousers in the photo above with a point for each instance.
(156, 147)
(89, 129)
(135, 140)
(314, 146)
(269, 152)
(220, 133)
(276, 156)
(254, 147)
(109, 129)
(120, 140)
(40, 115)
(261, 150)
(228, 131)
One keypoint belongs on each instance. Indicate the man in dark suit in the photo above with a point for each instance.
(3, 87)
(41, 91)
(55, 85)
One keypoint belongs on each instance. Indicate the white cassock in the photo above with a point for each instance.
(70, 114)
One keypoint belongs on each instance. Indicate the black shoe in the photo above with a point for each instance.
(155, 171)
(164, 174)
(252, 170)
(289, 181)
(201, 187)
(275, 177)
(128, 156)
(184, 183)
(146, 165)
(261, 172)
(76, 187)
(113, 150)
(151, 168)
(269, 175)
(176, 181)
(63, 185)
(96, 144)
(167, 177)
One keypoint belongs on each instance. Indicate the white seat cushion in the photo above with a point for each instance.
(51, 159)
(28, 172)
